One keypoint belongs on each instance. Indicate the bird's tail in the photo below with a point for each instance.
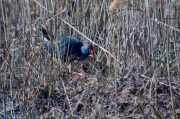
(46, 33)
(48, 43)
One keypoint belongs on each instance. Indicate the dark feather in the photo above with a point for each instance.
(69, 48)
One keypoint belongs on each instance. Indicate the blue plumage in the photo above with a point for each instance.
(70, 48)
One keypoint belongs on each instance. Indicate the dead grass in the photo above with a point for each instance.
(134, 74)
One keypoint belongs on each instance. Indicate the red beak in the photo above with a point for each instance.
(91, 53)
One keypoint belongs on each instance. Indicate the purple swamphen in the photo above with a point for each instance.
(68, 48)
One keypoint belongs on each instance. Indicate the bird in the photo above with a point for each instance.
(68, 48)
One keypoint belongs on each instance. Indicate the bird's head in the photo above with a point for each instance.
(91, 49)
(86, 50)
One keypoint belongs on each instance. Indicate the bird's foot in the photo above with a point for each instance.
(79, 74)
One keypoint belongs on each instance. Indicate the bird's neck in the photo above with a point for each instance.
(84, 51)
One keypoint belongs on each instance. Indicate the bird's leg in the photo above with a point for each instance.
(75, 73)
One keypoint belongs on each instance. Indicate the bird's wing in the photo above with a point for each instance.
(70, 47)
(75, 52)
